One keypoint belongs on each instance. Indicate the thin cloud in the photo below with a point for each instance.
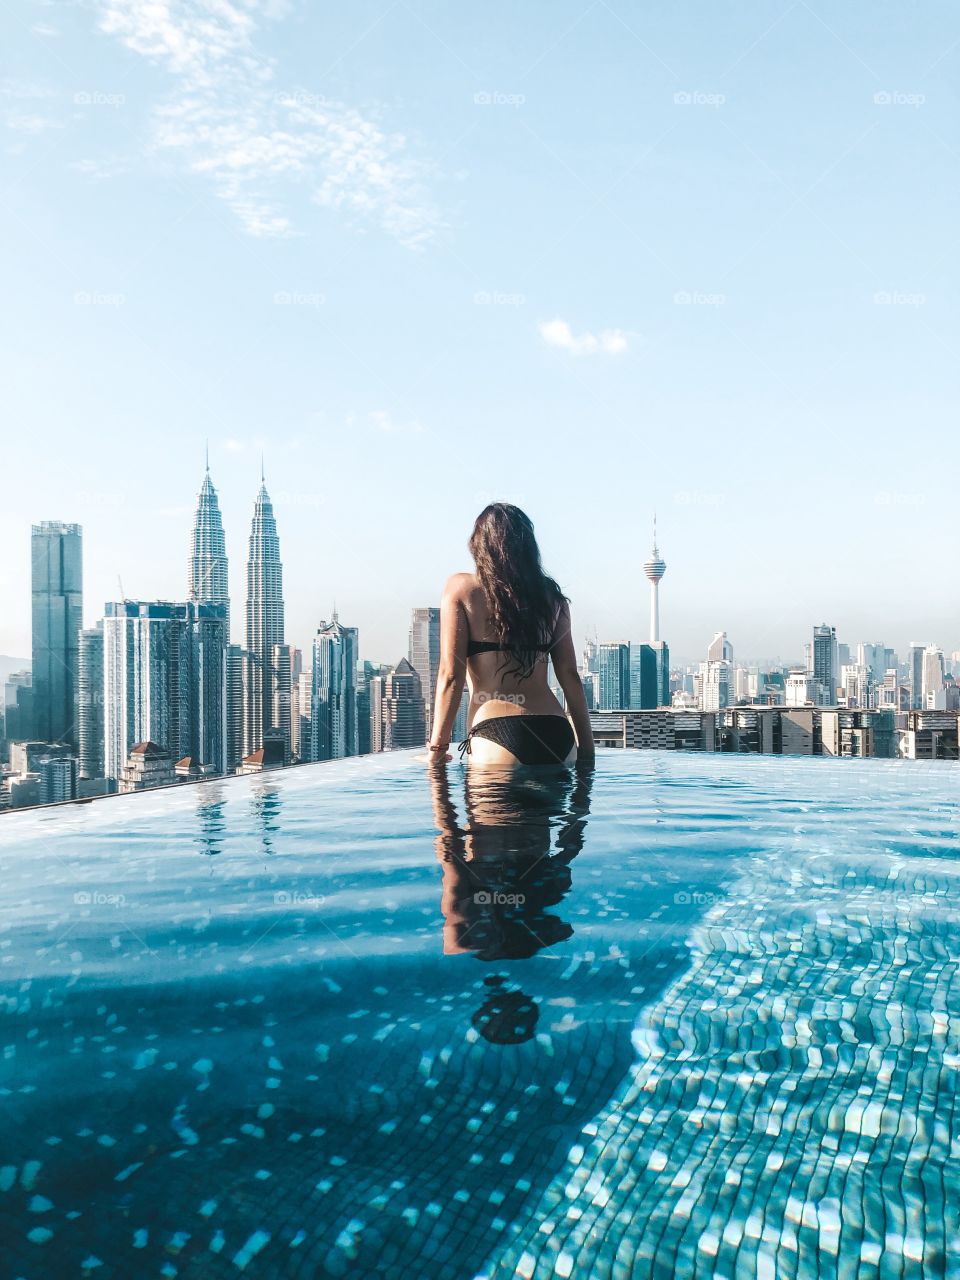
(385, 422)
(228, 119)
(29, 122)
(21, 111)
(557, 333)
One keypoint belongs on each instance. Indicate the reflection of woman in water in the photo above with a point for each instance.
(503, 869)
(498, 627)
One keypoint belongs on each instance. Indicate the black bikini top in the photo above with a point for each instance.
(492, 646)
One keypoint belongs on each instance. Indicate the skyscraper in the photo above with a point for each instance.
(403, 722)
(654, 568)
(369, 715)
(934, 691)
(90, 702)
(589, 659)
(334, 720)
(720, 649)
(301, 723)
(613, 662)
(649, 676)
(57, 618)
(424, 655)
(915, 675)
(207, 578)
(826, 671)
(233, 711)
(164, 669)
(264, 621)
(284, 659)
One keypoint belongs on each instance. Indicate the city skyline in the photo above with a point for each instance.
(156, 693)
(731, 287)
(209, 556)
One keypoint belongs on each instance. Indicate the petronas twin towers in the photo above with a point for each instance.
(250, 678)
(264, 622)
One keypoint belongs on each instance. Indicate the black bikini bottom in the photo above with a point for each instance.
(532, 739)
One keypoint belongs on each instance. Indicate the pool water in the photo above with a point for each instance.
(681, 1015)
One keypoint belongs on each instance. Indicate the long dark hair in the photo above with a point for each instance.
(522, 599)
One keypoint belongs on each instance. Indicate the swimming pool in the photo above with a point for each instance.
(693, 1015)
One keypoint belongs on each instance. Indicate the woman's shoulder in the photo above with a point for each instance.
(461, 586)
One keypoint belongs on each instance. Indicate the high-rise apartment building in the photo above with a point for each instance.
(90, 702)
(57, 619)
(58, 780)
(424, 655)
(165, 667)
(716, 684)
(207, 577)
(857, 685)
(378, 689)
(264, 621)
(334, 720)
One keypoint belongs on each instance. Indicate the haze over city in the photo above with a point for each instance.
(441, 267)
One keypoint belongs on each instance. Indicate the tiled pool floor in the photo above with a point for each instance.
(337, 1022)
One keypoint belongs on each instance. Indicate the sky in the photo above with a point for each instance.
(601, 259)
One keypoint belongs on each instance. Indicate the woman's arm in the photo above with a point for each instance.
(452, 671)
(564, 658)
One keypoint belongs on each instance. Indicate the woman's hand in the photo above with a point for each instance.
(437, 753)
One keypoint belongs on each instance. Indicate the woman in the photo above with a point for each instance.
(498, 627)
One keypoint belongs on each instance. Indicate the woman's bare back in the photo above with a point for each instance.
(497, 688)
